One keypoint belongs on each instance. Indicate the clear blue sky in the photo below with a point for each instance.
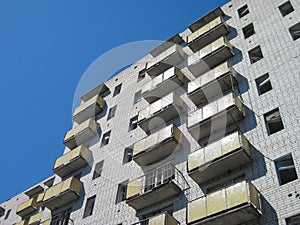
(45, 47)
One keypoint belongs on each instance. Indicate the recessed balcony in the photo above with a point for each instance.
(163, 84)
(81, 133)
(231, 152)
(158, 185)
(215, 116)
(62, 193)
(215, 81)
(36, 219)
(157, 146)
(27, 207)
(232, 205)
(89, 109)
(162, 219)
(210, 56)
(164, 110)
(72, 161)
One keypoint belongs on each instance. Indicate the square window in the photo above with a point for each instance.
(89, 206)
(263, 84)
(286, 8)
(127, 155)
(98, 169)
(255, 54)
(285, 169)
(294, 220)
(137, 97)
(133, 123)
(295, 31)
(121, 194)
(117, 90)
(105, 138)
(243, 11)
(112, 112)
(248, 30)
(273, 121)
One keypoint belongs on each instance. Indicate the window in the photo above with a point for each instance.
(61, 218)
(117, 90)
(248, 30)
(137, 97)
(295, 31)
(121, 194)
(142, 74)
(294, 220)
(98, 169)
(89, 206)
(255, 54)
(263, 84)
(127, 155)
(286, 8)
(273, 121)
(243, 11)
(285, 169)
(112, 112)
(7, 214)
(133, 123)
(105, 138)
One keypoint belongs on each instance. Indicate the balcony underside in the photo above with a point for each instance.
(89, 112)
(61, 200)
(79, 138)
(74, 165)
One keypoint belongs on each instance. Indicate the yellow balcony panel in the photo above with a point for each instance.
(232, 205)
(231, 152)
(163, 84)
(46, 222)
(162, 219)
(81, 133)
(215, 116)
(99, 90)
(156, 186)
(157, 146)
(62, 193)
(39, 198)
(213, 82)
(72, 161)
(89, 109)
(27, 207)
(23, 222)
(164, 109)
(210, 56)
(36, 219)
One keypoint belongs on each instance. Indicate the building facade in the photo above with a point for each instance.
(202, 130)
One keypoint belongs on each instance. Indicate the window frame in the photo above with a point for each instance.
(269, 113)
(261, 84)
(87, 213)
(98, 169)
(245, 30)
(286, 11)
(284, 159)
(117, 90)
(111, 112)
(255, 50)
(104, 137)
(243, 11)
(291, 30)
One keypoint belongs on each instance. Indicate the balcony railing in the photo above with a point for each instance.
(27, 207)
(215, 116)
(162, 219)
(231, 152)
(162, 84)
(232, 205)
(156, 186)
(62, 193)
(89, 109)
(210, 56)
(81, 133)
(215, 81)
(36, 219)
(207, 34)
(58, 220)
(157, 146)
(72, 161)
(166, 108)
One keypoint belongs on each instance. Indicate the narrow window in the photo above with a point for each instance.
(133, 123)
(98, 169)
(295, 31)
(117, 90)
(7, 214)
(285, 168)
(248, 30)
(273, 121)
(105, 138)
(255, 54)
(243, 11)
(142, 74)
(127, 155)
(263, 84)
(121, 194)
(137, 97)
(294, 220)
(112, 112)
(89, 206)
(286, 8)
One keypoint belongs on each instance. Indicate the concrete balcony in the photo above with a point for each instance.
(157, 146)
(39, 199)
(36, 219)
(166, 108)
(72, 161)
(163, 84)
(208, 33)
(210, 56)
(27, 207)
(89, 109)
(62, 193)
(81, 134)
(99, 90)
(162, 219)
(231, 152)
(215, 81)
(232, 205)
(158, 185)
(216, 116)
(23, 222)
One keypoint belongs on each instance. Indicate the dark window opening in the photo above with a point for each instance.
(294, 220)
(105, 138)
(295, 31)
(142, 74)
(133, 123)
(243, 11)
(273, 121)
(263, 84)
(137, 97)
(127, 155)
(112, 112)
(285, 168)
(255, 54)
(286, 8)
(89, 206)
(117, 90)
(121, 194)
(7, 214)
(248, 31)
(98, 169)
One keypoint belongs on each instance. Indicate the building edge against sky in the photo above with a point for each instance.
(202, 130)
